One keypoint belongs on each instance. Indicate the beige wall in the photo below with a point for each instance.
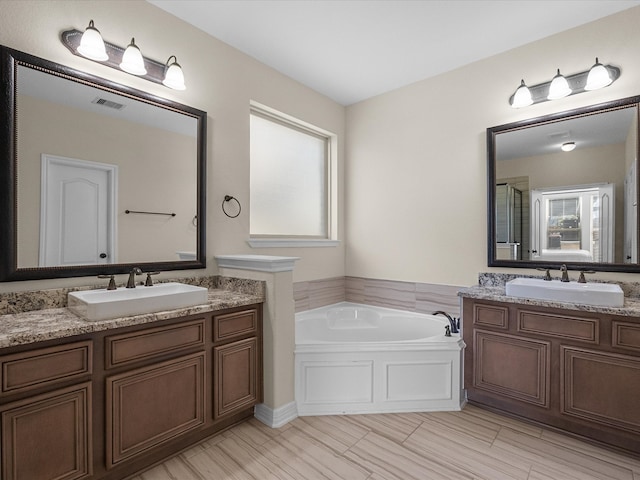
(416, 170)
(156, 172)
(220, 80)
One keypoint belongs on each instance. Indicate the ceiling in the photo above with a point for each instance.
(351, 50)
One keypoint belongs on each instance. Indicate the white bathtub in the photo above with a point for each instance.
(352, 358)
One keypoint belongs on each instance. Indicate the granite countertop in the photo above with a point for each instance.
(39, 325)
(497, 293)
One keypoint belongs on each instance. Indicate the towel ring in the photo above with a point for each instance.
(228, 198)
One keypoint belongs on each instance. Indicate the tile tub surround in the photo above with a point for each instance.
(20, 302)
(410, 296)
(53, 323)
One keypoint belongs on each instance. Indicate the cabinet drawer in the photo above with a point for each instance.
(153, 342)
(562, 326)
(226, 327)
(45, 367)
(490, 316)
(625, 335)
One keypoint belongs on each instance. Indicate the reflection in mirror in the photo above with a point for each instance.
(574, 207)
(105, 177)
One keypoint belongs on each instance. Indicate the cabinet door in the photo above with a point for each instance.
(235, 377)
(150, 406)
(511, 366)
(48, 437)
(601, 387)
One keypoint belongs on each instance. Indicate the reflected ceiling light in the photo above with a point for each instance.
(559, 87)
(567, 147)
(522, 97)
(92, 45)
(173, 77)
(598, 76)
(132, 61)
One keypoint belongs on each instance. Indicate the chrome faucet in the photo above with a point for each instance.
(565, 273)
(131, 283)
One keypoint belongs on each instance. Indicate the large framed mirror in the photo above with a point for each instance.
(563, 189)
(96, 177)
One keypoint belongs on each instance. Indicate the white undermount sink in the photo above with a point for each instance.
(598, 294)
(123, 302)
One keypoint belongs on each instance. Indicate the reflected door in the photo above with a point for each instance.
(77, 220)
(573, 224)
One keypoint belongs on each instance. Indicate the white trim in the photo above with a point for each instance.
(278, 417)
(291, 242)
(259, 263)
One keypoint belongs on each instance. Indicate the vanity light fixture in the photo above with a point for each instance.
(91, 45)
(567, 147)
(599, 76)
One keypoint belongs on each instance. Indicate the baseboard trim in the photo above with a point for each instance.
(276, 418)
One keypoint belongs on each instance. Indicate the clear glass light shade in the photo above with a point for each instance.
(598, 77)
(132, 61)
(173, 77)
(559, 87)
(92, 45)
(567, 147)
(522, 97)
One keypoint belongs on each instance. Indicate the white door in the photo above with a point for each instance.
(78, 205)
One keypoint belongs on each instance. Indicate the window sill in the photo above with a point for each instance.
(290, 242)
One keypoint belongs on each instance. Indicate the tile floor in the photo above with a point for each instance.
(470, 445)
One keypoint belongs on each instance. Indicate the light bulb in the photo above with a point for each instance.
(522, 97)
(559, 87)
(598, 77)
(132, 61)
(173, 77)
(92, 45)
(567, 147)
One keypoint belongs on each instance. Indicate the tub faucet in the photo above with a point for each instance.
(454, 322)
(131, 283)
(565, 273)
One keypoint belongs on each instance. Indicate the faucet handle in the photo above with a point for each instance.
(581, 278)
(112, 282)
(148, 282)
(547, 275)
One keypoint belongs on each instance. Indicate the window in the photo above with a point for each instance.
(290, 178)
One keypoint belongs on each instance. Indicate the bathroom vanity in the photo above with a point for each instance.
(103, 400)
(570, 367)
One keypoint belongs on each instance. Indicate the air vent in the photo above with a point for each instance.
(559, 135)
(108, 103)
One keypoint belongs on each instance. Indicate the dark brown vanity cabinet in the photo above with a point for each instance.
(45, 423)
(112, 403)
(571, 370)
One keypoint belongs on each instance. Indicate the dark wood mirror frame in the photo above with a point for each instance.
(491, 188)
(9, 271)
